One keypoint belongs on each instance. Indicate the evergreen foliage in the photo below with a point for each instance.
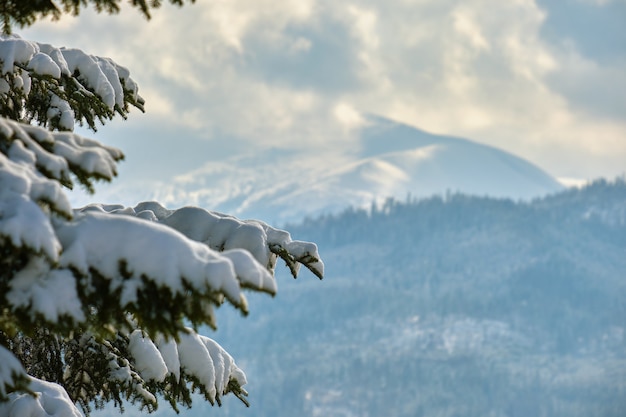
(453, 306)
(95, 303)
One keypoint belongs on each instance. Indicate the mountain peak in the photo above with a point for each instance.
(438, 163)
(391, 160)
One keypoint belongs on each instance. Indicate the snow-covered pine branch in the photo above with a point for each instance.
(222, 231)
(128, 367)
(95, 276)
(94, 302)
(54, 87)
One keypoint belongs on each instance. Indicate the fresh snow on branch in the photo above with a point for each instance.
(196, 351)
(11, 372)
(222, 231)
(43, 399)
(98, 244)
(96, 301)
(195, 356)
(33, 168)
(37, 77)
(46, 292)
(46, 400)
(23, 222)
(56, 155)
(128, 277)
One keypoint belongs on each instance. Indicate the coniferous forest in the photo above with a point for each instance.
(449, 306)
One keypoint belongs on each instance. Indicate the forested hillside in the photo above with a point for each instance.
(455, 306)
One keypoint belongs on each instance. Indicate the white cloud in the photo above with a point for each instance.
(348, 116)
(465, 24)
(302, 71)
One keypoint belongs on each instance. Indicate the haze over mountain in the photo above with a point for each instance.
(389, 160)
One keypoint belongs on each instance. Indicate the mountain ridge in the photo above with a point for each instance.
(387, 160)
(390, 160)
(455, 305)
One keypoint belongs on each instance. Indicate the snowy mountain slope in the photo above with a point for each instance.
(436, 161)
(463, 306)
(389, 160)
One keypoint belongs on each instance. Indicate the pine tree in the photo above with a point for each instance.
(102, 304)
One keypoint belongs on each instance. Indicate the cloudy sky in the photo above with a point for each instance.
(543, 79)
